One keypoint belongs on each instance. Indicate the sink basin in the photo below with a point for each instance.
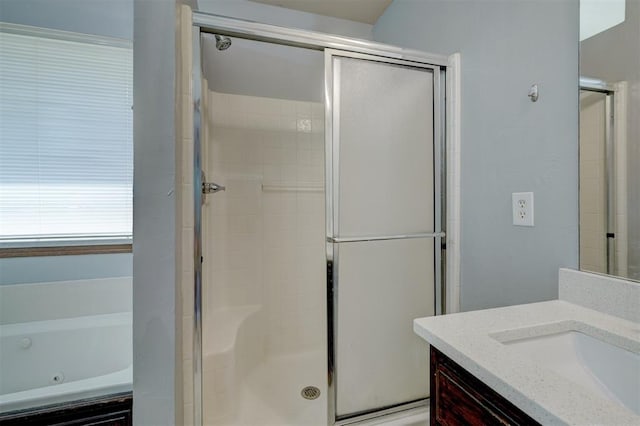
(606, 369)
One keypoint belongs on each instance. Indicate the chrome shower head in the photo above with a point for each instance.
(222, 42)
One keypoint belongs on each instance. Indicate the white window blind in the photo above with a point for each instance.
(66, 143)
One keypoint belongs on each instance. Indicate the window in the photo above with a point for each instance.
(66, 143)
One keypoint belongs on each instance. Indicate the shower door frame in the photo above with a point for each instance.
(215, 24)
(332, 179)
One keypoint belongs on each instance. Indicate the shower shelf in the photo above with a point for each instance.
(292, 188)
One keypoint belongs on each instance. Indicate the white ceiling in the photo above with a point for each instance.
(367, 11)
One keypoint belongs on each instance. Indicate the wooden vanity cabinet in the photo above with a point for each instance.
(459, 398)
(111, 410)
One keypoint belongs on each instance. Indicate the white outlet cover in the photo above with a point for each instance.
(522, 207)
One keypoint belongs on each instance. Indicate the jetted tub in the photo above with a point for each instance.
(48, 362)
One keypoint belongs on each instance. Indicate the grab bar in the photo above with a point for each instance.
(290, 188)
(386, 237)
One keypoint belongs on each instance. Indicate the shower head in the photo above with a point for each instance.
(222, 42)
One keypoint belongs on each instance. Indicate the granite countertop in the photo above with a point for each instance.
(473, 340)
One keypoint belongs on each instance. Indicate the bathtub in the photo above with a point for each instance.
(49, 362)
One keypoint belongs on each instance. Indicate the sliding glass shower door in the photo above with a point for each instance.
(382, 228)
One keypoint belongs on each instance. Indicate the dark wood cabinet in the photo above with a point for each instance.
(113, 410)
(459, 398)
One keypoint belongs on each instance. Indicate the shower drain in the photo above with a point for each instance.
(310, 392)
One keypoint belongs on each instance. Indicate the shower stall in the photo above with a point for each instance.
(319, 194)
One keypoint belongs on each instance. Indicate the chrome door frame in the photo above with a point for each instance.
(599, 86)
(196, 84)
(204, 23)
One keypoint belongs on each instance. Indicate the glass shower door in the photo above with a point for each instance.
(382, 229)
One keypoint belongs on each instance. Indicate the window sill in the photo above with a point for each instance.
(65, 250)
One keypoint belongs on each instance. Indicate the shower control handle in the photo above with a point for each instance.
(211, 188)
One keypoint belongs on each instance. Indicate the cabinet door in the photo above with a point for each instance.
(459, 398)
(110, 410)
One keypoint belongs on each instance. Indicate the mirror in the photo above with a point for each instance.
(610, 137)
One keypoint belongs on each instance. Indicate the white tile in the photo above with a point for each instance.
(288, 141)
(317, 110)
(187, 249)
(187, 381)
(289, 174)
(316, 174)
(187, 161)
(288, 124)
(273, 156)
(304, 157)
(304, 141)
(187, 205)
(187, 116)
(317, 125)
(273, 106)
(289, 157)
(317, 158)
(271, 139)
(238, 103)
(187, 292)
(188, 415)
(317, 142)
(254, 154)
(303, 109)
(187, 336)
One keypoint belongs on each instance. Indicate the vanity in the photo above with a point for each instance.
(575, 360)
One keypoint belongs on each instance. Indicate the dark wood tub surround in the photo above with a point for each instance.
(112, 410)
(459, 398)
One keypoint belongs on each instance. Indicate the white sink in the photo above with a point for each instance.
(610, 371)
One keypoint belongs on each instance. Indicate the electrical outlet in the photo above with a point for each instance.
(522, 206)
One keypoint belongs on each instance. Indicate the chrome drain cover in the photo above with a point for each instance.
(310, 392)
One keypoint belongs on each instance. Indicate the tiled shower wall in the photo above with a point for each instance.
(264, 235)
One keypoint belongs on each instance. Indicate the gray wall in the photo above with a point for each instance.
(509, 144)
(111, 18)
(614, 55)
(154, 292)
(274, 15)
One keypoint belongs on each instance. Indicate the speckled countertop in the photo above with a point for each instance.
(472, 339)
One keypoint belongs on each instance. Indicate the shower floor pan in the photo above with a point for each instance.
(270, 394)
